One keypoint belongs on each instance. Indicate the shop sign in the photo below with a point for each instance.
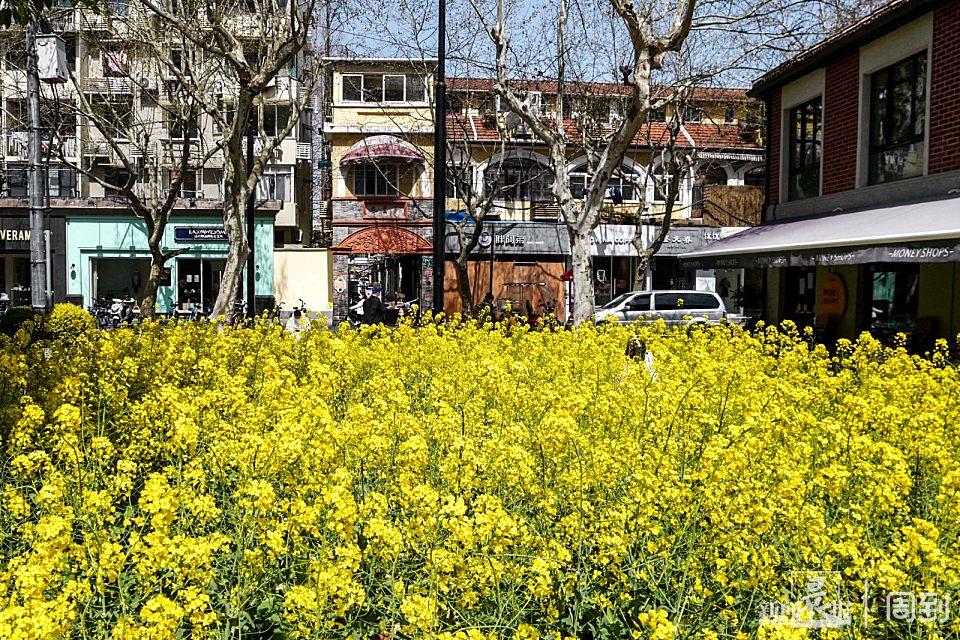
(683, 240)
(511, 240)
(523, 238)
(200, 234)
(832, 297)
(15, 234)
(614, 240)
(166, 277)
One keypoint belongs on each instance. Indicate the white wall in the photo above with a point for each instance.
(303, 273)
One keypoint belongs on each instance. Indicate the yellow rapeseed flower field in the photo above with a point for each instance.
(457, 482)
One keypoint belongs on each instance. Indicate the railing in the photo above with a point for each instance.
(108, 85)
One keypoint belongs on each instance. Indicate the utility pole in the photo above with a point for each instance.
(36, 183)
(440, 161)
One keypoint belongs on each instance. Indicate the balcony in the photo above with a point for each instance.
(108, 86)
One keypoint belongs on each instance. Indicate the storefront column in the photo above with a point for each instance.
(426, 283)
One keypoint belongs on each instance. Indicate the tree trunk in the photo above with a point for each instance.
(640, 275)
(583, 294)
(148, 305)
(232, 283)
(463, 288)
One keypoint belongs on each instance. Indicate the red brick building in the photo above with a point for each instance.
(861, 226)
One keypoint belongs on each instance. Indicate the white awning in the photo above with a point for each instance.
(917, 232)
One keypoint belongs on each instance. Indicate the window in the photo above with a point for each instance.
(275, 118)
(639, 303)
(115, 116)
(459, 180)
(898, 107)
(658, 114)
(177, 129)
(692, 114)
(893, 291)
(691, 300)
(118, 178)
(189, 187)
(662, 182)
(376, 180)
(519, 179)
(416, 89)
(274, 185)
(375, 87)
(620, 188)
(394, 88)
(16, 180)
(804, 149)
(352, 88)
(62, 182)
(729, 115)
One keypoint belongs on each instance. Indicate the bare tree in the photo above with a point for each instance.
(145, 135)
(648, 52)
(261, 47)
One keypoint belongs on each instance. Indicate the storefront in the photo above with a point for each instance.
(396, 256)
(615, 263)
(109, 257)
(888, 270)
(15, 257)
(519, 262)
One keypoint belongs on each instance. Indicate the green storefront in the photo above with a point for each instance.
(108, 256)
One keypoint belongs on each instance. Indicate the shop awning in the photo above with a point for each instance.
(916, 232)
(381, 148)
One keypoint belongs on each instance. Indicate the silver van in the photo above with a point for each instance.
(675, 307)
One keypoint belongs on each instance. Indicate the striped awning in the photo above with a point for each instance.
(382, 148)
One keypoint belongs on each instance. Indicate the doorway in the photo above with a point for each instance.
(198, 282)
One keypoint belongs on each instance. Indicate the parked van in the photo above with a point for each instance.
(676, 307)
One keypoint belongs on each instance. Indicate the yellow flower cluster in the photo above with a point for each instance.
(457, 482)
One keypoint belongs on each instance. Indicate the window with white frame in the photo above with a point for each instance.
(378, 87)
(662, 182)
(624, 186)
(275, 185)
(898, 109)
(376, 180)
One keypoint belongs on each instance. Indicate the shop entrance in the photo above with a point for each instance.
(399, 275)
(198, 282)
(119, 277)
(668, 274)
(15, 278)
(799, 295)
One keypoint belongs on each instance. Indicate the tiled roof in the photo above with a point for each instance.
(594, 88)
(474, 128)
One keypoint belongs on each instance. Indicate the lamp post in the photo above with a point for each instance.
(440, 160)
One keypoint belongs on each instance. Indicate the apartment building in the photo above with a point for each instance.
(99, 245)
(861, 228)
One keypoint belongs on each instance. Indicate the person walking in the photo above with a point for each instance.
(374, 311)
